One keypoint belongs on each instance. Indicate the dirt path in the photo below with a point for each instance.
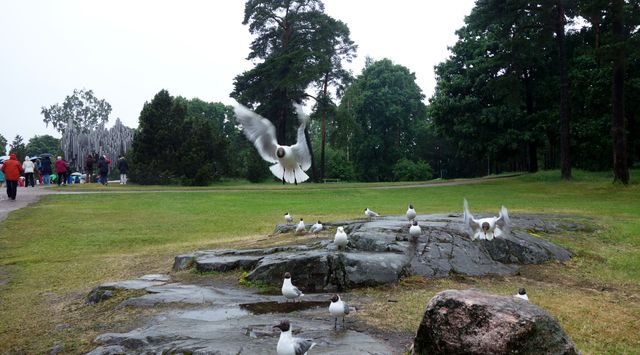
(25, 197)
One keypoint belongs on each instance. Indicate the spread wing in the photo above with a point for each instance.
(503, 221)
(469, 222)
(300, 149)
(259, 131)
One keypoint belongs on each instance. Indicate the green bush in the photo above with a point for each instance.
(337, 166)
(407, 170)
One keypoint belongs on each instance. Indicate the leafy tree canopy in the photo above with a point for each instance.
(43, 144)
(82, 109)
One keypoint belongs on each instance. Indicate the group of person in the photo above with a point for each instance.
(43, 170)
(102, 165)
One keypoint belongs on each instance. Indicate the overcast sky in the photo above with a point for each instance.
(128, 50)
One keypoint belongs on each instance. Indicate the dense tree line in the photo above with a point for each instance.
(520, 75)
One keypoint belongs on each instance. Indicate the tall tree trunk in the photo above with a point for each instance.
(324, 124)
(314, 176)
(620, 167)
(532, 146)
(565, 108)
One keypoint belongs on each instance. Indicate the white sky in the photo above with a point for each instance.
(128, 50)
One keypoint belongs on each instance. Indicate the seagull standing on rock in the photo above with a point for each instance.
(487, 228)
(289, 162)
(300, 227)
(288, 218)
(316, 227)
(522, 293)
(415, 230)
(289, 291)
(341, 240)
(338, 308)
(411, 213)
(288, 345)
(369, 213)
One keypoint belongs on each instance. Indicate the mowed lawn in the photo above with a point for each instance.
(54, 252)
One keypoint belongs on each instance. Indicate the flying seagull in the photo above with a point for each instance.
(288, 218)
(288, 345)
(316, 227)
(522, 293)
(369, 213)
(340, 240)
(289, 291)
(338, 308)
(487, 228)
(289, 161)
(411, 213)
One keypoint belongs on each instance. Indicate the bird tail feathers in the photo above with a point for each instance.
(290, 176)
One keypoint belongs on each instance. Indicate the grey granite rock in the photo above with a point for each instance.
(476, 322)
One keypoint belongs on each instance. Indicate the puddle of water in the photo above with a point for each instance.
(216, 314)
(281, 307)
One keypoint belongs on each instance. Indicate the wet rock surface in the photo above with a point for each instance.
(381, 252)
(223, 320)
(476, 322)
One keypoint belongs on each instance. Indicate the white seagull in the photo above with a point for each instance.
(522, 293)
(340, 240)
(316, 227)
(415, 229)
(338, 308)
(289, 162)
(288, 345)
(487, 228)
(288, 218)
(300, 227)
(289, 291)
(411, 213)
(369, 213)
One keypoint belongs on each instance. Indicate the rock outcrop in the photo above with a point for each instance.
(381, 251)
(476, 322)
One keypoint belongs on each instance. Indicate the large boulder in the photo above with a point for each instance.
(381, 251)
(476, 322)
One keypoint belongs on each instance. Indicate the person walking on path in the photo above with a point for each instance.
(12, 170)
(61, 169)
(45, 170)
(124, 168)
(28, 168)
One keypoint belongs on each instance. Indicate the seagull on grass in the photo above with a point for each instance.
(289, 161)
(411, 213)
(289, 291)
(288, 345)
(522, 293)
(341, 240)
(338, 308)
(288, 218)
(487, 228)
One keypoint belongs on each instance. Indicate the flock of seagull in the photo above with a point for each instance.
(478, 229)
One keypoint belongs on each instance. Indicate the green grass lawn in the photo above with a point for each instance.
(52, 253)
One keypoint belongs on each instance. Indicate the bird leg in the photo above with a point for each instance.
(295, 181)
(335, 323)
(283, 172)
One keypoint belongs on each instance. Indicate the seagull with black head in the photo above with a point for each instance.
(289, 161)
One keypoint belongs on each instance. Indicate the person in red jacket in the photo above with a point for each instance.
(12, 170)
(62, 170)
